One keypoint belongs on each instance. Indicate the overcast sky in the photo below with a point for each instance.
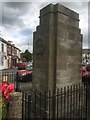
(19, 20)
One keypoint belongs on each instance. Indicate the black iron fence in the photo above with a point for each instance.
(13, 76)
(10, 77)
(67, 102)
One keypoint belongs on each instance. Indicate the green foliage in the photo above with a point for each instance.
(3, 107)
(27, 55)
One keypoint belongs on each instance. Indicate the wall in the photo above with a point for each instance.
(4, 55)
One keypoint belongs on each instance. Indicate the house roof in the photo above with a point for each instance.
(4, 41)
(86, 51)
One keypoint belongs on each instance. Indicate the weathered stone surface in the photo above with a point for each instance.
(15, 105)
(57, 48)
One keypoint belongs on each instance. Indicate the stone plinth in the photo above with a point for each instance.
(57, 48)
(15, 105)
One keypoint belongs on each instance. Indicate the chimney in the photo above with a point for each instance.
(9, 42)
(13, 44)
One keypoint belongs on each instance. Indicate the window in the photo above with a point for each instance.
(2, 47)
(2, 61)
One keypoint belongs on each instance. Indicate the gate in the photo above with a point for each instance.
(68, 102)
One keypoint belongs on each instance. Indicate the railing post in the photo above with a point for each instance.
(17, 83)
(53, 106)
(88, 101)
(29, 106)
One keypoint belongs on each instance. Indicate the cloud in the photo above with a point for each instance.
(13, 27)
(26, 32)
(25, 42)
(17, 5)
(11, 13)
(19, 20)
(45, 1)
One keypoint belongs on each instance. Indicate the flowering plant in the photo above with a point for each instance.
(5, 90)
(84, 77)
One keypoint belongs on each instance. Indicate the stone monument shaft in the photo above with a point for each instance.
(57, 48)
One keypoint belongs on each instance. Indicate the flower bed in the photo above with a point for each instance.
(5, 90)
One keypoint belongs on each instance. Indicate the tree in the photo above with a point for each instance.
(27, 56)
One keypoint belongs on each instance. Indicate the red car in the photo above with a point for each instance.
(83, 70)
(88, 67)
(25, 75)
(85, 75)
(22, 66)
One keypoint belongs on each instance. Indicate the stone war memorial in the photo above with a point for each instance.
(57, 48)
(57, 91)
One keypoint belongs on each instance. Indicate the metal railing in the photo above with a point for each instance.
(68, 102)
(10, 77)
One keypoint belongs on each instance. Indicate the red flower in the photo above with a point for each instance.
(0, 87)
(11, 87)
(83, 70)
(8, 97)
(85, 75)
(6, 89)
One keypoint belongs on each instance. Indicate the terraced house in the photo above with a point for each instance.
(86, 55)
(9, 54)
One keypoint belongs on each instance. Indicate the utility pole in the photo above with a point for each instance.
(28, 46)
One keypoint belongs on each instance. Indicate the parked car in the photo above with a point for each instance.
(30, 66)
(85, 74)
(22, 66)
(88, 67)
(84, 65)
(25, 75)
(83, 70)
